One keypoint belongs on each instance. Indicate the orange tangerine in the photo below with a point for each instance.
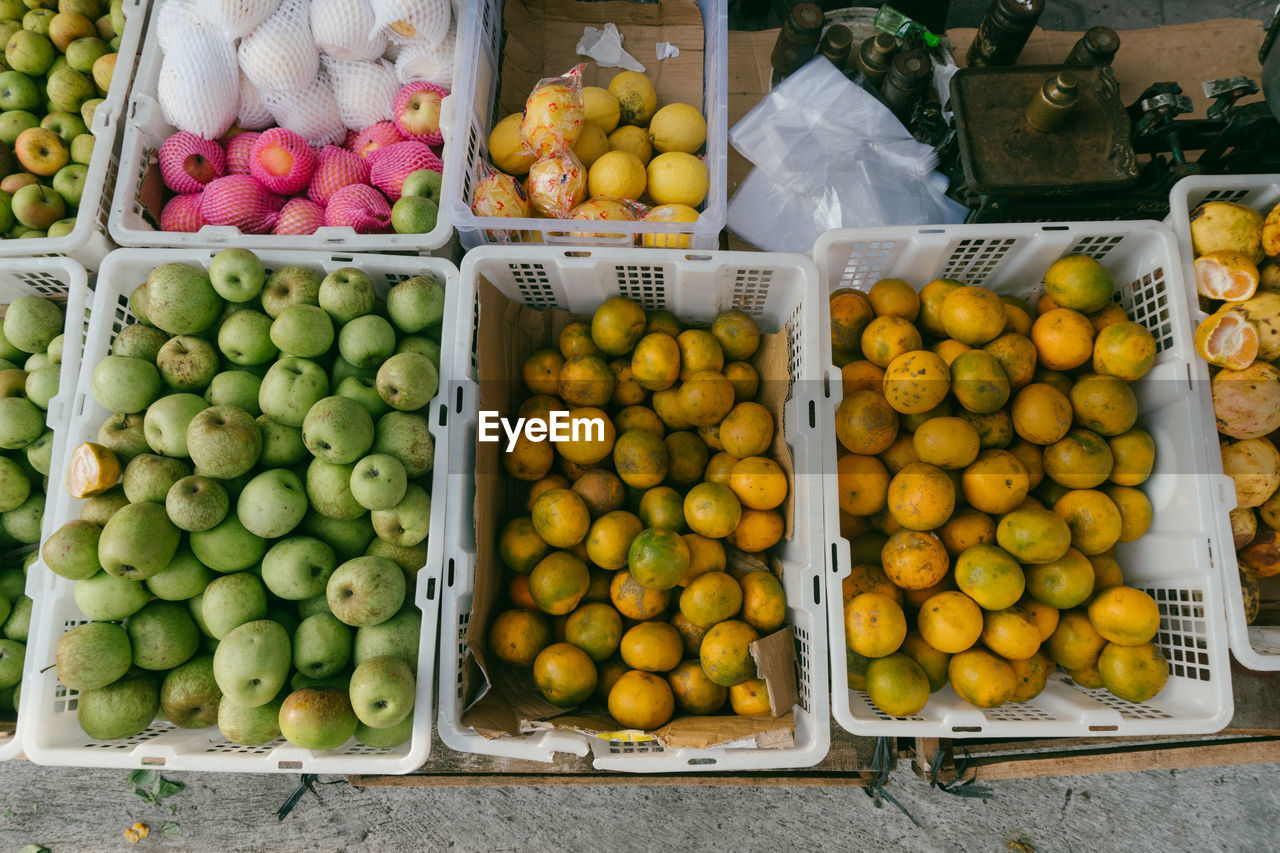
(1226, 275)
(932, 296)
(1134, 455)
(541, 371)
(1078, 282)
(1033, 535)
(932, 662)
(874, 625)
(596, 628)
(641, 700)
(921, 497)
(726, 654)
(967, 527)
(747, 430)
(687, 457)
(517, 636)
(699, 352)
(757, 530)
(610, 538)
(886, 338)
(640, 458)
(652, 647)
(710, 598)
(1125, 350)
(1041, 413)
(1108, 315)
(758, 482)
(520, 546)
(1080, 460)
(1134, 673)
(1043, 616)
(851, 313)
(705, 555)
(745, 380)
(658, 559)
(866, 423)
(861, 375)
(720, 468)
(1104, 404)
(916, 382)
(1063, 339)
(1017, 357)
(950, 622)
(1125, 616)
(1064, 583)
(1030, 676)
(617, 325)
(949, 349)
(1227, 339)
(600, 489)
(559, 582)
(655, 363)
(737, 333)
(914, 560)
(575, 340)
(750, 698)
(693, 691)
(990, 576)
(900, 454)
(1093, 518)
(996, 483)
(1032, 458)
(1075, 644)
(972, 315)
(711, 510)
(635, 601)
(979, 382)
(949, 443)
(662, 507)
(894, 297)
(764, 602)
(1010, 634)
(869, 577)
(1135, 511)
(897, 685)
(638, 417)
(981, 678)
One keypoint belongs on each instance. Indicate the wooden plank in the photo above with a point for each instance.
(799, 779)
(1129, 759)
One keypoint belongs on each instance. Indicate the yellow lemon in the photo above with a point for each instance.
(633, 139)
(678, 127)
(601, 108)
(669, 213)
(637, 99)
(506, 150)
(618, 174)
(592, 144)
(677, 178)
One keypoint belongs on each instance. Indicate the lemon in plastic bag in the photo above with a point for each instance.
(553, 116)
(557, 184)
(500, 195)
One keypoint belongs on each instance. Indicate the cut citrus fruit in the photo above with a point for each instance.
(93, 470)
(1228, 340)
(1226, 275)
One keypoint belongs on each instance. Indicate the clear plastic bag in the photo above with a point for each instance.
(498, 194)
(829, 155)
(557, 184)
(554, 114)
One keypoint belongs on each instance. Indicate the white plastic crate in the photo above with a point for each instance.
(57, 277)
(480, 64)
(775, 290)
(1179, 561)
(1255, 646)
(145, 130)
(88, 243)
(52, 734)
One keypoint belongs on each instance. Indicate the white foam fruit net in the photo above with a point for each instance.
(199, 86)
(236, 18)
(410, 20)
(417, 60)
(311, 113)
(346, 29)
(173, 19)
(254, 114)
(365, 91)
(281, 54)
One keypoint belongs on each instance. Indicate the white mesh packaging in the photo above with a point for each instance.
(199, 85)
(417, 60)
(236, 18)
(410, 20)
(365, 91)
(254, 114)
(173, 19)
(346, 29)
(312, 113)
(281, 54)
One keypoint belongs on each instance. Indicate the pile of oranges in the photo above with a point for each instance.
(627, 580)
(989, 466)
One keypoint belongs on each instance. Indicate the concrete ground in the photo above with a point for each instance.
(1206, 809)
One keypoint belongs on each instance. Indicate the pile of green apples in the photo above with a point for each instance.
(59, 57)
(258, 507)
(31, 336)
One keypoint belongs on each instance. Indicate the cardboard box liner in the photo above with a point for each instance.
(542, 38)
(506, 701)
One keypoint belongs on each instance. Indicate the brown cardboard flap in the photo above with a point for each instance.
(775, 657)
(543, 37)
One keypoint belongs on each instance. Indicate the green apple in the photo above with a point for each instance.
(365, 392)
(318, 718)
(272, 503)
(343, 369)
(399, 636)
(189, 695)
(118, 19)
(411, 558)
(104, 68)
(408, 522)
(345, 294)
(71, 551)
(18, 92)
(303, 331)
(321, 646)
(21, 422)
(82, 149)
(13, 383)
(138, 341)
(7, 219)
(347, 537)
(290, 388)
(237, 388)
(39, 453)
(36, 361)
(84, 52)
(31, 323)
(249, 726)
(365, 591)
(195, 607)
(92, 655)
(29, 52)
(338, 430)
(181, 300)
(184, 578)
(12, 654)
(105, 597)
(228, 546)
(298, 568)
(416, 303)
(382, 691)
(39, 18)
(252, 662)
(61, 228)
(162, 636)
(388, 738)
(232, 600)
(13, 581)
(122, 709)
(237, 275)
(424, 183)
(148, 477)
(313, 605)
(123, 384)
(12, 183)
(68, 126)
(245, 338)
(137, 542)
(68, 89)
(138, 303)
(69, 183)
(406, 437)
(89, 109)
(42, 385)
(282, 445)
(12, 124)
(17, 626)
(15, 486)
(378, 482)
(329, 490)
(290, 285)
(421, 345)
(196, 503)
(414, 215)
(407, 381)
(123, 435)
(23, 524)
(99, 508)
(224, 442)
(187, 363)
(366, 341)
(166, 421)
